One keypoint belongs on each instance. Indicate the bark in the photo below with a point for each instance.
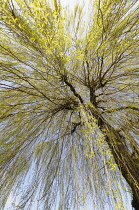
(126, 162)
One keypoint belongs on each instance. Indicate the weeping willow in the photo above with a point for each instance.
(69, 104)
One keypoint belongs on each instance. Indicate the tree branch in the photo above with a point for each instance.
(121, 108)
(72, 89)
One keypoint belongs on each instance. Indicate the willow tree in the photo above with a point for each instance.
(69, 104)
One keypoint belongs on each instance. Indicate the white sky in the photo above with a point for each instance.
(71, 3)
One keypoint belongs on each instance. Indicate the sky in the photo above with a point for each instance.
(71, 3)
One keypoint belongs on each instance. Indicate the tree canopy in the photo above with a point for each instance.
(69, 106)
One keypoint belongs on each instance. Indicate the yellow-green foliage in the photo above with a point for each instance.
(69, 101)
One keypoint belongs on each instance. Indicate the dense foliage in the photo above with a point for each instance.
(69, 104)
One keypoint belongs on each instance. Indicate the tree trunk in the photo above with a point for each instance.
(126, 162)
